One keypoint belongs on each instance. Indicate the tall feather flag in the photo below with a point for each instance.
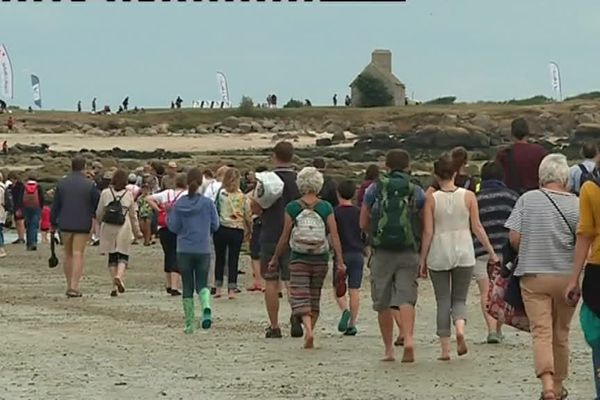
(223, 89)
(37, 92)
(6, 74)
(555, 80)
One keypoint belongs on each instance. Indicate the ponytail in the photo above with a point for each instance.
(194, 180)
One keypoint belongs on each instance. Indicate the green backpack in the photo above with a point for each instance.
(395, 223)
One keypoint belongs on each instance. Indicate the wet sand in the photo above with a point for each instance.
(132, 347)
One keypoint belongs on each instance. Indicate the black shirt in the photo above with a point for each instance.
(347, 220)
(329, 191)
(274, 217)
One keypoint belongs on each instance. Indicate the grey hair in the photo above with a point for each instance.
(554, 168)
(309, 181)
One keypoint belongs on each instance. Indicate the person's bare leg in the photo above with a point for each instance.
(407, 318)
(21, 229)
(386, 326)
(68, 266)
(168, 280)
(397, 319)
(272, 302)
(354, 305)
(309, 339)
(45, 236)
(445, 344)
(341, 301)
(484, 286)
(175, 281)
(547, 383)
(461, 344)
(77, 270)
(257, 284)
(113, 274)
(314, 317)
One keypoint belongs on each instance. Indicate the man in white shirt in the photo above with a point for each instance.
(579, 173)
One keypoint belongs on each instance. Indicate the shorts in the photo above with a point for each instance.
(355, 263)
(255, 241)
(114, 259)
(393, 278)
(74, 242)
(267, 250)
(481, 270)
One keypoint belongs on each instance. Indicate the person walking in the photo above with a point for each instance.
(307, 223)
(193, 219)
(542, 229)
(347, 218)
(273, 219)
(3, 214)
(33, 202)
(145, 213)
(73, 209)
(162, 203)
(117, 211)
(168, 181)
(371, 175)
(495, 202)
(582, 172)
(588, 238)
(257, 285)
(17, 188)
(235, 225)
(450, 216)
(329, 190)
(389, 215)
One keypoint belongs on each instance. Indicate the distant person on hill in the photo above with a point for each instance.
(5, 147)
(126, 103)
(269, 101)
(10, 124)
(172, 105)
(274, 100)
(79, 106)
(335, 100)
(73, 209)
(348, 101)
(583, 172)
(33, 202)
(178, 102)
(94, 105)
(117, 211)
(329, 190)
(521, 160)
(307, 103)
(2, 106)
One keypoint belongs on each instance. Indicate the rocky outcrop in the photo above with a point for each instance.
(585, 132)
(446, 137)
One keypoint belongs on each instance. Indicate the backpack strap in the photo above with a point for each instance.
(583, 169)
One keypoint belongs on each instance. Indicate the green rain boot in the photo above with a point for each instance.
(206, 321)
(188, 312)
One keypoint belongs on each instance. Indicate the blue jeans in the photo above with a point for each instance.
(32, 225)
(1, 235)
(596, 360)
(194, 272)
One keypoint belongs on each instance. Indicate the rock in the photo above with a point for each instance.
(149, 132)
(338, 138)
(96, 132)
(3, 129)
(256, 127)
(378, 141)
(225, 129)
(129, 131)
(446, 137)
(588, 108)
(245, 127)
(585, 132)
(587, 118)
(449, 119)
(162, 129)
(231, 122)
(484, 122)
(324, 142)
(278, 128)
(268, 124)
(202, 130)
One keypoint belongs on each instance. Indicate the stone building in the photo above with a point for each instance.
(381, 67)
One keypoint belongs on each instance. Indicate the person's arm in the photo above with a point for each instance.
(335, 241)
(247, 218)
(255, 207)
(41, 196)
(133, 218)
(56, 207)
(155, 200)
(100, 208)
(174, 221)
(365, 210)
(283, 243)
(214, 218)
(427, 235)
(477, 227)
(514, 238)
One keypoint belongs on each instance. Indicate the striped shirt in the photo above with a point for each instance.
(547, 245)
(495, 202)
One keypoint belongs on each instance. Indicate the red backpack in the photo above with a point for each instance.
(164, 209)
(31, 197)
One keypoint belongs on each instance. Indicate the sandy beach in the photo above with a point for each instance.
(132, 347)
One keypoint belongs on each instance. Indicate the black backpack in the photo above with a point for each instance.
(9, 203)
(114, 214)
(585, 176)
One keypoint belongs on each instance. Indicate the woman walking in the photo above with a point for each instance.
(117, 211)
(588, 238)
(161, 203)
(542, 229)
(308, 220)
(235, 225)
(450, 216)
(194, 220)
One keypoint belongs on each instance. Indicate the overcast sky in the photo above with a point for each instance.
(473, 49)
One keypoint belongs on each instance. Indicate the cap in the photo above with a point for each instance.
(172, 164)
(108, 175)
(132, 178)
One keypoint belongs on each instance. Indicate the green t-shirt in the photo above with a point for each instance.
(324, 209)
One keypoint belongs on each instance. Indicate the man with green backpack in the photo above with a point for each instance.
(390, 218)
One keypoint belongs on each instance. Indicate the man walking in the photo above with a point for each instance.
(75, 202)
(393, 229)
(33, 202)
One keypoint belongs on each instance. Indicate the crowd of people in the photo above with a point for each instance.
(457, 229)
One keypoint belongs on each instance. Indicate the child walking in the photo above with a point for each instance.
(145, 213)
(194, 220)
(45, 224)
(347, 217)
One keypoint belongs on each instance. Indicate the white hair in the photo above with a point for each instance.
(309, 180)
(554, 168)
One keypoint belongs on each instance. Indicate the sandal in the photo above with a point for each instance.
(113, 293)
(119, 284)
(564, 394)
(73, 294)
(548, 395)
(399, 342)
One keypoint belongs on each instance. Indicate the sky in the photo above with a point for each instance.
(472, 49)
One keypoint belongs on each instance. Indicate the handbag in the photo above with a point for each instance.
(498, 306)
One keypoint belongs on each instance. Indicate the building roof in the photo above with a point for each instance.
(374, 70)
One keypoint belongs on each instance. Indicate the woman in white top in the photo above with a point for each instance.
(161, 203)
(450, 215)
(115, 231)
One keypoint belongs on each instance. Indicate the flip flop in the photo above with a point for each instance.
(73, 294)
(399, 342)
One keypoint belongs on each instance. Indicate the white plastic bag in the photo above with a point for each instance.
(269, 188)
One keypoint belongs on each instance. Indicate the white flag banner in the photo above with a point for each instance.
(6, 75)
(223, 89)
(555, 80)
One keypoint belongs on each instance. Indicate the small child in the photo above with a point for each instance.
(145, 214)
(347, 217)
(45, 224)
